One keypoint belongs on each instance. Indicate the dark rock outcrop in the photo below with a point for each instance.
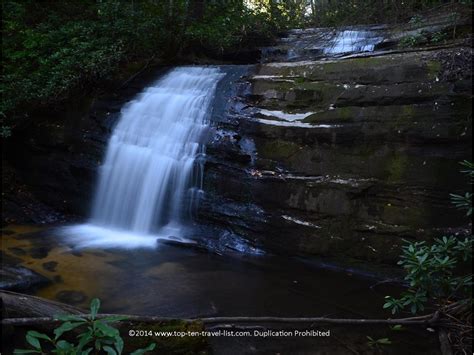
(343, 156)
(18, 278)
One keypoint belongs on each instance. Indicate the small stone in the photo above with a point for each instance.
(71, 297)
(50, 266)
(39, 252)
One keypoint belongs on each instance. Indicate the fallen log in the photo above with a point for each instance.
(223, 322)
(23, 310)
(17, 305)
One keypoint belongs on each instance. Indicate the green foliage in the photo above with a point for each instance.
(97, 335)
(378, 343)
(423, 38)
(57, 50)
(223, 26)
(464, 202)
(397, 328)
(436, 272)
(439, 37)
(413, 41)
(430, 273)
(350, 12)
(416, 20)
(53, 51)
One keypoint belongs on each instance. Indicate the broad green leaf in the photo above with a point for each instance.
(106, 329)
(65, 327)
(64, 345)
(38, 335)
(34, 342)
(144, 350)
(119, 345)
(95, 305)
(98, 344)
(26, 351)
(109, 350)
(85, 338)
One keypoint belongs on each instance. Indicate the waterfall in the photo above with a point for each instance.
(151, 178)
(356, 41)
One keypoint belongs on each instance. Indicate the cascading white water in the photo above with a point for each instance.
(356, 41)
(151, 176)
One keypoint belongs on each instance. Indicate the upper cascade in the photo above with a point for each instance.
(318, 43)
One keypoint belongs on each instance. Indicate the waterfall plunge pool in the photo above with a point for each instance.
(183, 282)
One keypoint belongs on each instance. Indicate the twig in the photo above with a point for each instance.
(444, 341)
(431, 319)
(125, 83)
(383, 282)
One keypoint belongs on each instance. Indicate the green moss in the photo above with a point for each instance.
(346, 113)
(357, 64)
(434, 68)
(300, 80)
(405, 115)
(397, 167)
(262, 86)
(462, 107)
(278, 149)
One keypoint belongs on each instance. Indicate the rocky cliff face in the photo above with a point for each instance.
(338, 144)
(327, 152)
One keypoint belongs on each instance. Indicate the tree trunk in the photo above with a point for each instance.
(16, 305)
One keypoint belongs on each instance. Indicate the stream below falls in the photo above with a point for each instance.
(181, 282)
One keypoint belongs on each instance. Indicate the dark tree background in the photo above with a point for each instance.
(52, 50)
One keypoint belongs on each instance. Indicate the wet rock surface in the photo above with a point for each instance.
(19, 278)
(341, 155)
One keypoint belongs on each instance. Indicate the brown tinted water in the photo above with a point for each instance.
(175, 281)
(178, 282)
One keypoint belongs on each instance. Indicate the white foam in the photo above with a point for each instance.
(285, 116)
(296, 124)
(92, 236)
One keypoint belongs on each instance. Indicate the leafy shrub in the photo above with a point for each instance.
(413, 41)
(434, 272)
(464, 202)
(430, 273)
(98, 335)
(378, 343)
(416, 20)
(438, 37)
(57, 50)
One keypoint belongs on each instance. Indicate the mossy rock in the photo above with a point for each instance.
(397, 68)
(278, 149)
